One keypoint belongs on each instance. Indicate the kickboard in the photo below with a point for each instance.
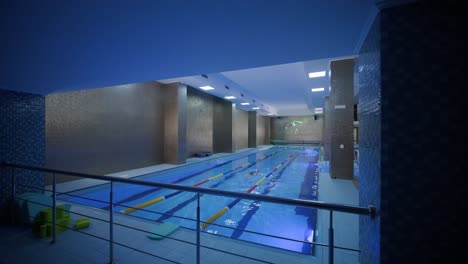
(162, 230)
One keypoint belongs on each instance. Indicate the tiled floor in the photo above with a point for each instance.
(18, 245)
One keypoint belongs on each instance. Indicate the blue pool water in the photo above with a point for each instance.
(296, 178)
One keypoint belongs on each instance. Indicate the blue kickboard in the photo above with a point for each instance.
(162, 230)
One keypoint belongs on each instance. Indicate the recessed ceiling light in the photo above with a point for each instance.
(255, 108)
(321, 89)
(270, 114)
(317, 74)
(230, 97)
(245, 104)
(206, 88)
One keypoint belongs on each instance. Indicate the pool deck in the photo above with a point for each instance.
(18, 245)
(346, 226)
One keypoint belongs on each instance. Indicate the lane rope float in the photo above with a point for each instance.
(181, 205)
(152, 190)
(221, 212)
(162, 198)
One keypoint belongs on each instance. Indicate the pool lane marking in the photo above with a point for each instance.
(147, 192)
(307, 192)
(246, 218)
(218, 214)
(168, 214)
(263, 179)
(162, 198)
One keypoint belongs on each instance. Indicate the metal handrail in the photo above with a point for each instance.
(190, 219)
(331, 207)
(371, 210)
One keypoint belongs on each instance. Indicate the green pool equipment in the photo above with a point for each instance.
(82, 223)
(42, 224)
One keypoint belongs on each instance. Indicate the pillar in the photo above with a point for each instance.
(342, 106)
(223, 118)
(326, 136)
(175, 123)
(252, 129)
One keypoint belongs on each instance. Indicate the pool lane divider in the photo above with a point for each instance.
(165, 197)
(254, 205)
(169, 213)
(147, 192)
(221, 212)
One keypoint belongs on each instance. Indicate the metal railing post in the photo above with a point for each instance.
(111, 224)
(13, 196)
(198, 228)
(372, 211)
(54, 208)
(331, 243)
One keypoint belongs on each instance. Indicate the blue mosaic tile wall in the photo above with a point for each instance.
(419, 44)
(22, 140)
(409, 66)
(368, 66)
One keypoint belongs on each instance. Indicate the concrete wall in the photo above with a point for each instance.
(199, 122)
(241, 129)
(22, 140)
(105, 130)
(301, 128)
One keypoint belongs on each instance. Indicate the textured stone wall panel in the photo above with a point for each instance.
(105, 130)
(199, 122)
(241, 129)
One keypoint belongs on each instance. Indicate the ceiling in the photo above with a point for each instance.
(279, 90)
(54, 46)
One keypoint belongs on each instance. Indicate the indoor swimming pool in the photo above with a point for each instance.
(289, 172)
